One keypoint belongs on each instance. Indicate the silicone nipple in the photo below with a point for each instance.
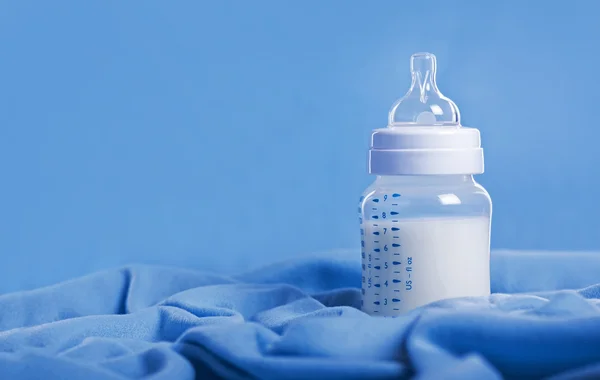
(424, 104)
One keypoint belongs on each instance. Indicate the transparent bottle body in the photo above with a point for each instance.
(423, 239)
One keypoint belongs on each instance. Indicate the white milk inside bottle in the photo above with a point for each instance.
(408, 253)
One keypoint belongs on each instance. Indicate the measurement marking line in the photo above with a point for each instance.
(397, 271)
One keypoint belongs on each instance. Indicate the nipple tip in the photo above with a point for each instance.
(422, 62)
(423, 55)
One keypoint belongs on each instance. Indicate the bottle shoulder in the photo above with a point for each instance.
(430, 185)
(433, 197)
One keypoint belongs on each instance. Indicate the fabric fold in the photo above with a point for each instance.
(299, 319)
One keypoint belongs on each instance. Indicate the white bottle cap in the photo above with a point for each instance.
(424, 135)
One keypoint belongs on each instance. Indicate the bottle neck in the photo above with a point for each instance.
(425, 180)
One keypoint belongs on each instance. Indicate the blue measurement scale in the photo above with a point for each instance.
(386, 269)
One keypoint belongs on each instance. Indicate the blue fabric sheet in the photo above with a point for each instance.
(297, 320)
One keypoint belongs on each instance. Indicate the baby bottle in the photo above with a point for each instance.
(424, 222)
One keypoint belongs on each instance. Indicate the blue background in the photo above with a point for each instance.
(224, 135)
